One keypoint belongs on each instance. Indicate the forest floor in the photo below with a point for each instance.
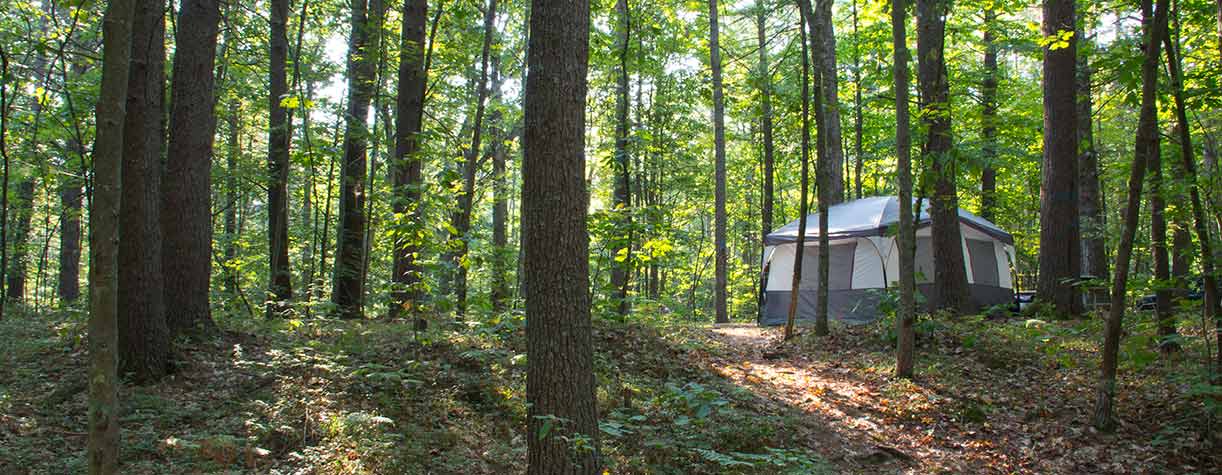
(343, 397)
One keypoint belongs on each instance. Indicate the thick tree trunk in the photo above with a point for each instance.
(347, 291)
(186, 213)
(950, 276)
(1090, 195)
(23, 212)
(144, 337)
(621, 268)
(765, 85)
(906, 313)
(719, 159)
(406, 167)
(1154, 23)
(70, 194)
(1060, 252)
(280, 286)
(988, 119)
(803, 201)
(560, 376)
(103, 442)
(828, 87)
(1200, 223)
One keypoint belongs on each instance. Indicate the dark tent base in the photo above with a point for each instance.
(860, 306)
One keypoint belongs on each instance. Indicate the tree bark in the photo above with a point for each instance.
(500, 195)
(765, 85)
(1154, 23)
(803, 201)
(906, 313)
(621, 268)
(23, 212)
(144, 337)
(560, 377)
(1200, 224)
(280, 286)
(347, 292)
(950, 276)
(70, 194)
(406, 167)
(988, 119)
(103, 440)
(858, 156)
(1091, 217)
(828, 87)
(234, 150)
(1163, 308)
(186, 213)
(719, 159)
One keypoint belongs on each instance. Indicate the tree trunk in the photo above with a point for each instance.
(1200, 224)
(406, 167)
(858, 157)
(234, 150)
(500, 196)
(70, 194)
(5, 80)
(103, 441)
(560, 376)
(1060, 252)
(349, 282)
(988, 119)
(280, 286)
(23, 211)
(461, 218)
(827, 85)
(804, 14)
(1163, 308)
(186, 213)
(765, 85)
(144, 337)
(1154, 23)
(621, 268)
(950, 277)
(719, 158)
(906, 313)
(1091, 217)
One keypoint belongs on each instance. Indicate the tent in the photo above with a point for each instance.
(864, 261)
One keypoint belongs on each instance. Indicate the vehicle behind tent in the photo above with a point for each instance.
(863, 261)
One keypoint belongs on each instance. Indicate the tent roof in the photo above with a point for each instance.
(872, 217)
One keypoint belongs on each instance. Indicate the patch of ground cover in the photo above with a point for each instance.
(991, 396)
(338, 397)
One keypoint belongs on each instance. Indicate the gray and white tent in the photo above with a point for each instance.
(864, 260)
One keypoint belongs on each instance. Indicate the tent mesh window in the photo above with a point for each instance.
(984, 262)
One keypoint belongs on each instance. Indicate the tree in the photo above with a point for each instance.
(280, 286)
(950, 277)
(824, 156)
(406, 166)
(560, 375)
(719, 159)
(803, 202)
(906, 313)
(765, 86)
(186, 212)
(70, 194)
(500, 194)
(103, 442)
(1154, 23)
(1212, 308)
(23, 211)
(1092, 225)
(347, 292)
(144, 336)
(621, 269)
(1059, 236)
(4, 108)
(988, 117)
(827, 87)
(858, 155)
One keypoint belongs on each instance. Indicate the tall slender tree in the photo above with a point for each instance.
(621, 269)
(280, 286)
(560, 376)
(827, 85)
(406, 166)
(70, 195)
(499, 293)
(804, 193)
(103, 442)
(186, 212)
(144, 336)
(1090, 198)
(5, 80)
(988, 116)
(719, 166)
(347, 292)
(23, 213)
(1154, 23)
(950, 276)
(765, 86)
(1060, 251)
(906, 313)
(858, 154)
